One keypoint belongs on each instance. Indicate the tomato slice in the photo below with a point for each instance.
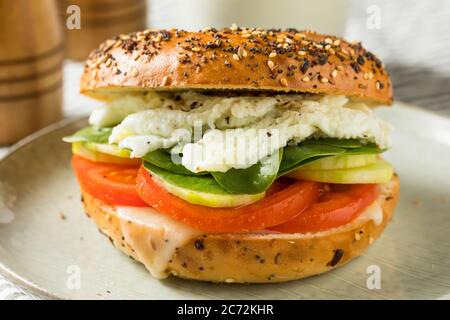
(113, 184)
(335, 207)
(275, 209)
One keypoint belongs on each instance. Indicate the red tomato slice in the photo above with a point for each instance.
(275, 209)
(335, 207)
(113, 184)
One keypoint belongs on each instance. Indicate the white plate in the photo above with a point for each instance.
(44, 252)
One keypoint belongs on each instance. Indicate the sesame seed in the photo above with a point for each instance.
(117, 44)
(328, 40)
(370, 240)
(273, 54)
(366, 76)
(134, 71)
(337, 42)
(233, 27)
(195, 49)
(289, 40)
(109, 44)
(327, 47)
(334, 73)
(360, 60)
(100, 61)
(356, 67)
(239, 51)
(377, 85)
(284, 82)
(305, 65)
(136, 56)
(108, 62)
(301, 53)
(322, 59)
(324, 80)
(305, 79)
(229, 280)
(246, 35)
(271, 64)
(199, 244)
(236, 57)
(357, 236)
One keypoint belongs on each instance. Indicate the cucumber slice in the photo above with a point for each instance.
(111, 149)
(80, 149)
(378, 172)
(341, 162)
(90, 134)
(201, 190)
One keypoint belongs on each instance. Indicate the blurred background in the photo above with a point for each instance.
(43, 44)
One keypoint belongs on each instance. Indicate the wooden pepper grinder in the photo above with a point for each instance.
(31, 55)
(100, 20)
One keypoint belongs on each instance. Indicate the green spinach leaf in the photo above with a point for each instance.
(252, 180)
(365, 149)
(343, 143)
(163, 160)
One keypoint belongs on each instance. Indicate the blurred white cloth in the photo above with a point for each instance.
(10, 292)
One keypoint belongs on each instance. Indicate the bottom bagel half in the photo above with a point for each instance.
(262, 257)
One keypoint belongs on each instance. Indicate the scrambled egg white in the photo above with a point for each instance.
(217, 133)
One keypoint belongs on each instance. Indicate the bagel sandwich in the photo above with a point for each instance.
(238, 155)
